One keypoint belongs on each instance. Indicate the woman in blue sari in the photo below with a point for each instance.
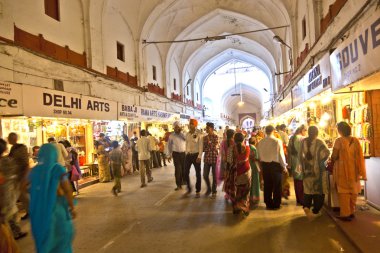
(51, 205)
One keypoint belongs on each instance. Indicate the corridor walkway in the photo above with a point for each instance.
(158, 219)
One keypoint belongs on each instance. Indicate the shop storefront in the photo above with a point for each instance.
(356, 82)
(48, 113)
(155, 121)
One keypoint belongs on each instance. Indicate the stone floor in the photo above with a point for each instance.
(158, 219)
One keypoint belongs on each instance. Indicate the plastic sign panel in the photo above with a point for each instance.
(10, 99)
(318, 78)
(130, 113)
(51, 103)
(359, 55)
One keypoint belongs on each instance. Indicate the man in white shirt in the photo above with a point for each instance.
(273, 163)
(62, 152)
(143, 149)
(153, 151)
(194, 150)
(176, 149)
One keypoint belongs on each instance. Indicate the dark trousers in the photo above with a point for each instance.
(158, 155)
(153, 159)
(191, 159)
(179, 165)
(298, 188)
(272, 175)
(135, 161)
(316, 199)
(206, 173)
(163, 157)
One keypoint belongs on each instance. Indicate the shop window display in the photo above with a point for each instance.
(354, 110)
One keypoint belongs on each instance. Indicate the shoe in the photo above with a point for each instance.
(143, 185)
(21, 235)
(213, 196)
(315, 215)
(307, 212)
(114, 192)
(150, 180)
(26, 216)
(344, 218)
(178, 188)
(352, 216)
(245, 214)
(208, 192)
(187, 193)
(197, 195)
(118, 191)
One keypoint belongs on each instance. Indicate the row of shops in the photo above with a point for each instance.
(36, 114)
(343, 86)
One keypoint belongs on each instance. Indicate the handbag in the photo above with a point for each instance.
(330, 166)
(75, 176)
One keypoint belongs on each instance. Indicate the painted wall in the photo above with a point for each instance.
(173, 73)
(115, 29)
(152, 58)
(325, 6)
(30, 16)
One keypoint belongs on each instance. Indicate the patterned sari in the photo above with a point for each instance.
(227, 159)
(243, 180)
(255, 180)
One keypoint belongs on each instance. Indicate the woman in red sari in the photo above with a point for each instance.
(227, 154)
(243, 176)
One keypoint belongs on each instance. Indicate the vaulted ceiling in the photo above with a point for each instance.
(173, 20)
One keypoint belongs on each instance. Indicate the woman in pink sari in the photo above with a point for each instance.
(243, 176)
(227, 151)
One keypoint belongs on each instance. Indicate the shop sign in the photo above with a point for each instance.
(318, 78)
(155, 115)
(183, 116)
(359, 54)
(284, 106)
(51, 103)
(10, 99)
(298, 95)
(129, 112)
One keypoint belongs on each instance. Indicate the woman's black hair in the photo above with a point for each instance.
(239, 138)
(3, 146)
(344, 128)
(313, 134)
(230, 134)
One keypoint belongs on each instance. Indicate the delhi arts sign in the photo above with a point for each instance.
(52, 103)
(358, 56)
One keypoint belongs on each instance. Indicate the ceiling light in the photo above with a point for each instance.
(240, 103)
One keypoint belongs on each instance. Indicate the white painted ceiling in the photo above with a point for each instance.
(167, 20)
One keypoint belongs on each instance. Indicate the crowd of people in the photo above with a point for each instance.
(244, 163)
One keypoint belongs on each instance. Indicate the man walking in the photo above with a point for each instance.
(176, 149)
(210, 147)
(135, 155)
(117, 161)
(143, 149)
(272, 158)
(194, 150)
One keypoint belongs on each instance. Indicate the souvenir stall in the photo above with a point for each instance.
(12, 119)
(356, 83)
(156, 121)
(64, 116)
